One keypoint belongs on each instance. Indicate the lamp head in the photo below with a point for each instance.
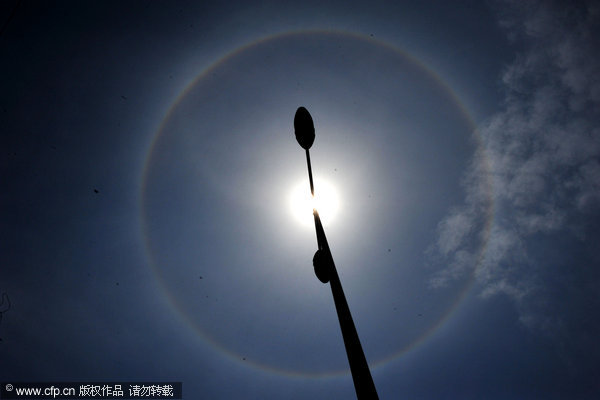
(304, 128)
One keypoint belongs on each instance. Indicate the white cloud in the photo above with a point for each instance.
(542, 154)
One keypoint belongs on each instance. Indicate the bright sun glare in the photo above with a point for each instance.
(325, 201)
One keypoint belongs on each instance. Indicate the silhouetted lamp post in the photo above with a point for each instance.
(326, 272)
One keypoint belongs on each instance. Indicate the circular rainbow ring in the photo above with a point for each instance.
(375, 42)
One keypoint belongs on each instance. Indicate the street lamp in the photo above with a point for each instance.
(326, 272)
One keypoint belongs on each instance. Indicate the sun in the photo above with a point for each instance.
(301, 203)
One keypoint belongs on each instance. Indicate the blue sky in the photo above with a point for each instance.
(149, 158)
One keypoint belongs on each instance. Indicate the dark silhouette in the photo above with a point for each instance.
(322, 266)
(304, 128)
(305, 135)
(326, 272)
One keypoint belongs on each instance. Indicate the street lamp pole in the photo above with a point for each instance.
(326, 272)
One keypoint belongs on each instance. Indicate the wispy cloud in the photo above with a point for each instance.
(542, 155)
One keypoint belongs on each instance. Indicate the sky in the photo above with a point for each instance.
(149, 168)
